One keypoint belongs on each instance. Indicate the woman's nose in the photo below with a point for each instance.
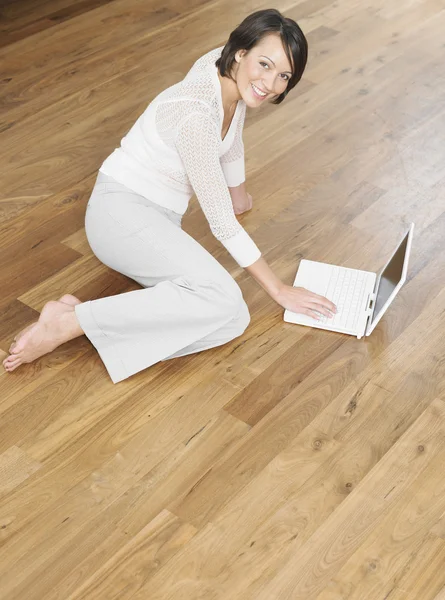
(268, 84)
(271, 83)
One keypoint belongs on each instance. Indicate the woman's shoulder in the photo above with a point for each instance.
(197, 92)
(205, 61)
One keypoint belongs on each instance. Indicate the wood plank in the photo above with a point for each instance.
(38, 20)
(15, 468)
(106, 485)
(365, 505)
(393, 548)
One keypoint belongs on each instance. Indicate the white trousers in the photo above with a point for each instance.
(189, 302)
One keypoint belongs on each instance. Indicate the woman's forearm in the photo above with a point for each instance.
(296, 299)
(259, 270)
(264, 275)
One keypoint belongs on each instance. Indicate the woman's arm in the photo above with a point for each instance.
(296, 299)
(198, 141)
(241, 200)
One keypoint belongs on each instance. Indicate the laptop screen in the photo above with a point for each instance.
(391, 276)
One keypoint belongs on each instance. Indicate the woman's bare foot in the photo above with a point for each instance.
(57, 324)
(66, 299)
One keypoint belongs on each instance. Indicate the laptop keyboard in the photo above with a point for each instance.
(345, 289)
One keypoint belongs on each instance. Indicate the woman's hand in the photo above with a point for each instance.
(296, 299)
(242, 204)
(241, 200)
(301, 300)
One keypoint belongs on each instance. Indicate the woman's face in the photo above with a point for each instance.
(263, 72)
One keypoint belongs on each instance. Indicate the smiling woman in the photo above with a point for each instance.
(252, 34)
(189, 139)
(262, 73)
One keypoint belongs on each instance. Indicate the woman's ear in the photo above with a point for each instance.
(239, 54)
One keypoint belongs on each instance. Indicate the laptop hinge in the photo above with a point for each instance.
(369, 310)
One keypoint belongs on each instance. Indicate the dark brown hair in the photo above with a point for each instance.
(253, 29)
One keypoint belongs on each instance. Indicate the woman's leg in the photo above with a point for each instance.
(190, 302)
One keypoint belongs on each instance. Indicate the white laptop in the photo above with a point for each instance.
(361, 297)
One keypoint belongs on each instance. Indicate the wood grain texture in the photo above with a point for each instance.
(290, 463)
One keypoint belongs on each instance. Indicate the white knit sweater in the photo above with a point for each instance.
(175, 149)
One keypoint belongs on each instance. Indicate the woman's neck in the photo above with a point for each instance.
(229, 94)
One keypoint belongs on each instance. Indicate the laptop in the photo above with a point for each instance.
(361, 297)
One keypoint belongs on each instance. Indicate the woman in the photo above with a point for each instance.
(188, 139)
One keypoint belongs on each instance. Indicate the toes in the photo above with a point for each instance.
(19, 336)
(11, 360)
(10, 365)
(15, 348)
(13, 366)
(19, 345)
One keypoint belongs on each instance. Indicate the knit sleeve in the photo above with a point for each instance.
(232, 162)
(197, 142)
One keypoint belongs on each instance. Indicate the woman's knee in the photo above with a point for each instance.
(230, 296)
(226, 299)
(243, 317)
(238, 309)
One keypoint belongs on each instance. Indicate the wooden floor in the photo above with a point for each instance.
(291, 463)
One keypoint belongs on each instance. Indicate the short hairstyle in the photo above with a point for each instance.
(253, 29)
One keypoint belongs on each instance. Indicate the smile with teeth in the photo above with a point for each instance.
(257, 91)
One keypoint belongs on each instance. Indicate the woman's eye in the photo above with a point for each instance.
(286, 77)
(264, 64)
